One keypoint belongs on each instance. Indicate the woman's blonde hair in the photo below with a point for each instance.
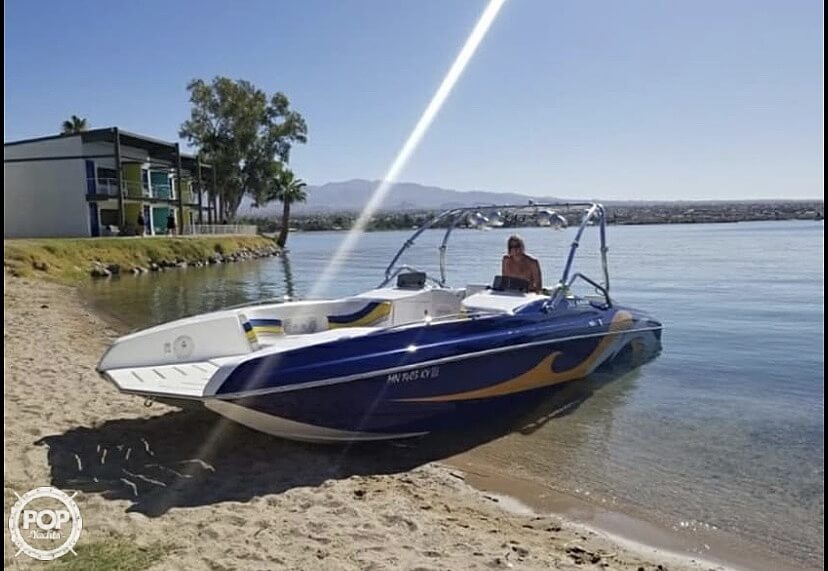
(513, 239)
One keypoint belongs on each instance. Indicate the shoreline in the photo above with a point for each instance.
(617, 216)
(707, 546)
(72, 261)
(271, 502)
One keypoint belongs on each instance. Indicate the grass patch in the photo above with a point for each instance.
(114, 554)
(69, 260)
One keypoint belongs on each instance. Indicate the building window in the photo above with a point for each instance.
(105, 174)
(107, 181)
(109, 217)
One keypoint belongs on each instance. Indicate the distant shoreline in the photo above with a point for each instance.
(619, 215)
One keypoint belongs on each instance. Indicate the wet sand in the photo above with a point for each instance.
(526, 495)
(225, 497)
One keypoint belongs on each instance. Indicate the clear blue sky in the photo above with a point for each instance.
(611, 100)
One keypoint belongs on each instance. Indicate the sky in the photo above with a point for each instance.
(633, 100)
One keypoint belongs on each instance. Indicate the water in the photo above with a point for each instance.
(724, 429)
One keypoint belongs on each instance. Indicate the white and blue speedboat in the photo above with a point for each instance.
(410, 357)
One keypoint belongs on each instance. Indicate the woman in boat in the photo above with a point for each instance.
(518, 264)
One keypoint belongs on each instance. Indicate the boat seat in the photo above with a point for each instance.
(261, 328)
(289, 342)
(360, 313)
(472, 289)
(426, 304)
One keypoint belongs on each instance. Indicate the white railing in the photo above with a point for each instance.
(156, 191)
(209, 229)
(109, 187)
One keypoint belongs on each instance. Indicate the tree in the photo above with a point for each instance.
(244, 135)
(74, 125)
(290, 190)
(285, 187)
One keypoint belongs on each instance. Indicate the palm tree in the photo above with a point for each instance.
(288, 189)
(74, 125)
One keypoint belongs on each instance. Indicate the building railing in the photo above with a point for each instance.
(107, 186)
(159, 191)
(212, 229)
(130, 188)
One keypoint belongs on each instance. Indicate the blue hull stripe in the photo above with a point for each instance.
(409, 379)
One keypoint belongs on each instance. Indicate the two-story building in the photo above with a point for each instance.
(97, 182)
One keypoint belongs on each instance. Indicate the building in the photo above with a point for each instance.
(68, 185)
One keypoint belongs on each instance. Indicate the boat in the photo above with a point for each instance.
(410, 357)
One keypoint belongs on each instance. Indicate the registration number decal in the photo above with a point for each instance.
(415, 375)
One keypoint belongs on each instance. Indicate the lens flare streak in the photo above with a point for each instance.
(412, 142)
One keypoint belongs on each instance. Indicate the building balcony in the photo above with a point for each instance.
(103, 188)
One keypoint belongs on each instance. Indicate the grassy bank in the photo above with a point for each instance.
(112, 554)
(70, 260)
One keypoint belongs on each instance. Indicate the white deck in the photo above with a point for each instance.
(191, 380)
(505, 302)
(186, 380)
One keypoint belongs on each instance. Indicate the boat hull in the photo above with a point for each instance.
(435, 394)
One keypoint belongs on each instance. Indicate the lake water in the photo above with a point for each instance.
(723, 431)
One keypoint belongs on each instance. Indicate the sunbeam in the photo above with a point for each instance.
(412, 142)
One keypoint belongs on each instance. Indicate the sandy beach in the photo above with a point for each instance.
(218, 496)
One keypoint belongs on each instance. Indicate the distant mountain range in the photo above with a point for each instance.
(352, 195)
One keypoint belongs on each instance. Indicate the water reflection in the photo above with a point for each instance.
(150, 299)
(570, 398)
(290, 289)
